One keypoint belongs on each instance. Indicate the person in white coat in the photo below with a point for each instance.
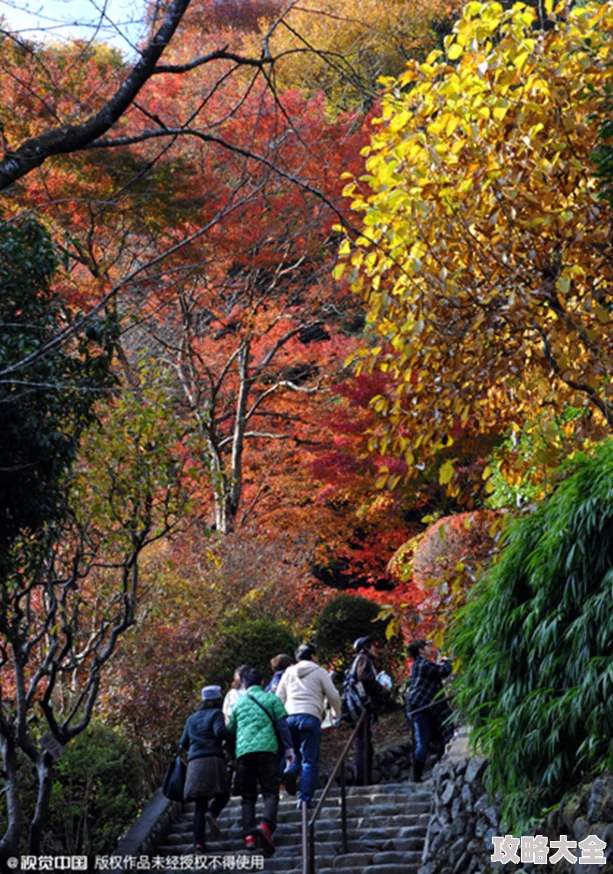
(304, 689)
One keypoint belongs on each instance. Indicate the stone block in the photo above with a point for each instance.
(467, 798)
(462, 864)
(581, 828)
(600, 803)
(475, 769)
(457, 849)
(481, 827)
(574, 808)
(447, 792)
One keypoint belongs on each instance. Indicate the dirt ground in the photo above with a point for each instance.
(391, 727)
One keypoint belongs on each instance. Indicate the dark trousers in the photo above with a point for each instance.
(202, 805)
(364, 753)
(422, 732)
(261, 769)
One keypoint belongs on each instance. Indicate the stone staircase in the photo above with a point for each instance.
(386, 826)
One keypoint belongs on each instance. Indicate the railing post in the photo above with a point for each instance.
(311, 841)
(365, 738)
(344, 809)
(308, 825)
(307, 866)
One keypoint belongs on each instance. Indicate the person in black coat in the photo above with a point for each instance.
(365, 672)
(207, 778)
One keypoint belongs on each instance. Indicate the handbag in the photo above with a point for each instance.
(174, 781)
(280, 745)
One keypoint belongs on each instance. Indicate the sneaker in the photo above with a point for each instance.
(250, 842)
(213, 827)
(289, 781)
(265, 835)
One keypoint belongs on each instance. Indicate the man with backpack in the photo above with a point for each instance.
(304, 689)
(259, 721)
(362, 686)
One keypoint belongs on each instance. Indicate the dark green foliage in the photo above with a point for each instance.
(253, 642)
(99, 788)
(45, 402)
(535, 644)
(97, 794)
(342, 621)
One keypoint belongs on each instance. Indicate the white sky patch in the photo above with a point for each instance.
(117, 22)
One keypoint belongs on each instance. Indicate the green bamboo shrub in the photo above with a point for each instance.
(535, 645)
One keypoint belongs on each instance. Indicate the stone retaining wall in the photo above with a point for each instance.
(392, 764)
(589, 812)
(464, 820)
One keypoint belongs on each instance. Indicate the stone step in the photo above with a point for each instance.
(398, 825)
(396, 791)
(349, 860)
(386, 829)
(406, 868)
(375, 840)
(370, 869)
(408, 803)
(286, 825)
(339, 864)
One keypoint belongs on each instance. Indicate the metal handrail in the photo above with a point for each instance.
(446, 698)
(308, 826)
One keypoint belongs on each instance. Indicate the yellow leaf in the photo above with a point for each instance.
(521, 59)
(400, 120)
(563, 284)
(455, 52)
(446, 472)
(438, 639)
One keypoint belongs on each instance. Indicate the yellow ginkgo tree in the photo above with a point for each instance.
(485, 254)
(341, 47)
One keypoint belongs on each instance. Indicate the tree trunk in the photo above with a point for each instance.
(238, 441)
(9, 845)
(45, 782)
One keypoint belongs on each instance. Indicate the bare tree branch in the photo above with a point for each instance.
(69, 138)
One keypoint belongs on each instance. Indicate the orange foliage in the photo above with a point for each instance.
(443, 564)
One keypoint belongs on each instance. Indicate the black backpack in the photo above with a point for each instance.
(354, 697)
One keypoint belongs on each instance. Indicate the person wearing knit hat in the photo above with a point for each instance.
(206, 779)
(211, 693)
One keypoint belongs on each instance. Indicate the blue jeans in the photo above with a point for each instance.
(422, 729)
(306, 738)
